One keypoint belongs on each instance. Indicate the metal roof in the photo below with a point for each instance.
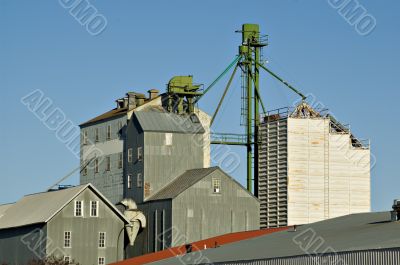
(109, 114)
(182, 183)
(156, 120)
(41, 207)
(364, 231)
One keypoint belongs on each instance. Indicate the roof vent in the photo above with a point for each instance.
(396, 211)
(153, 93)
(140, 98)
(131, 100)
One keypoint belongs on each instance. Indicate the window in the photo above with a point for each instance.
(108, 132)
(119, 126)
(67, 259)
(67, 239)
(139, 180)
(102, 261)
(84, 169)
(216, 185)
(96, 165)
(85, 137)
(139, 153)
(78, 211)
(120, 160)
(129, 181)
(108, 163)
(130, 156)
(102, 239)
(94, 208)
(96, 135)
(168, 139)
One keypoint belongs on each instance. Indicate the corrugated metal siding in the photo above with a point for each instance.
(199, 213)
(368, 257)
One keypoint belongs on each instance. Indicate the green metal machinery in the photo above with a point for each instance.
(182, 93)
(248, 60)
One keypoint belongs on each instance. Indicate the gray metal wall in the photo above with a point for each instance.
(157, 235)
(20, 245)
(164, 163)
(85, 232)
(109, 183)
(199, 213)
(368, 257)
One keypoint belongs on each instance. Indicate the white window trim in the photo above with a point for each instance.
(104, 261)
(82, 206)
(67, 259)
(105, 237)
(168, 139)
(70, 239)
(139, 153)
(129, 181)
(216, 180)
(130, 155)
(139, 180)
(97, 209)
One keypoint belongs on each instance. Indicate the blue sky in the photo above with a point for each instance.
(145, 43)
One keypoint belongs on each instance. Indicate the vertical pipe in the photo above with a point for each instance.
(256, 117)
(249, 116)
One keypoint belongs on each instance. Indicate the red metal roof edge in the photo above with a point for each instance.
(198, 245)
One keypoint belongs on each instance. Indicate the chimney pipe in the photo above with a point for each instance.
(153, 93)
(140, 99)
(396, 211)
(131, 100)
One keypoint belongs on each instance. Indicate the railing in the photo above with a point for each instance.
(229, 138)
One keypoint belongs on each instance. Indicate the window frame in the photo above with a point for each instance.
(102, 241)
(75, 208)
(140, 153)
(108, 132)
(120, 160)
(67, 259)
(139, 180)
(103, 261)
(96, 135)
(129, 181)
(84, 170)
(130, 155)
(215, 187)
(67, 239)
(96, 165)
(97, 209)
(85, 137)
(108, 163)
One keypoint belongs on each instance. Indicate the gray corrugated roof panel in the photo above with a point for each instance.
(41, 207)
(156, 120)
(354, 232)
(4, 207)
(181, 183)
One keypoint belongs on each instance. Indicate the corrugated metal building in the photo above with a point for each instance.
(364, 238)
(161, 160)
(311, 168)
(76, 223)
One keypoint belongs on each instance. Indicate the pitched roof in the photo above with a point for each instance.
(41, 207)
(182, 183)
(355, 232)
(109, 114)
(156, 120)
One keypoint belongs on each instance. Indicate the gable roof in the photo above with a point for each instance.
(157, 120)
(42, 207)
(186, 180)
(109, 114)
